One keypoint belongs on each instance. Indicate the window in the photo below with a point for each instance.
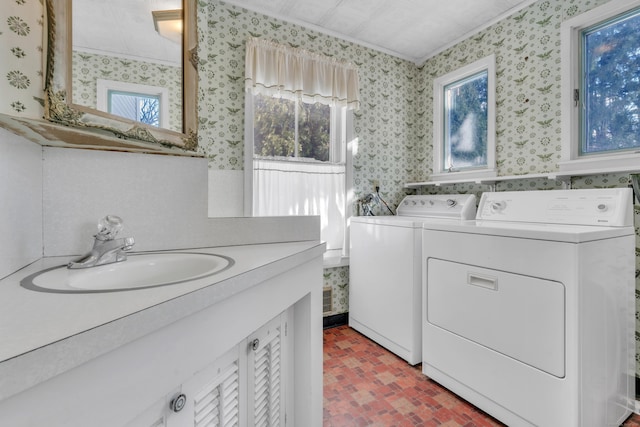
(293, 129)
(134, 106)
(298, 165)
(464, 122)
(601, 88)
(298, 124)
(140, 103)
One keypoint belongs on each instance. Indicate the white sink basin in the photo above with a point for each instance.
(139, 271)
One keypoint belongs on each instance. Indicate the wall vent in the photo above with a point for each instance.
(327, 300)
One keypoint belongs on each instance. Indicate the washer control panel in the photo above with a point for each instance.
(458, 206)
(609, 206)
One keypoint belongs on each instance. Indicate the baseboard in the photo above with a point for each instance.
(335, 320)
(637, 402)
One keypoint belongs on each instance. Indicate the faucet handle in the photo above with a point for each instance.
(109, 227)
(128, 243)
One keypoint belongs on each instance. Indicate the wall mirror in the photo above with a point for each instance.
(128, 68)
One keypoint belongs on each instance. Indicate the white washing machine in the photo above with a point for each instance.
(529, 312)
(385, 270)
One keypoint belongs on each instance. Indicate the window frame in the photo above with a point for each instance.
(440, 173)
(103, 87)
(344, 144)
(572, 55)
(136, 97)
(336, 137)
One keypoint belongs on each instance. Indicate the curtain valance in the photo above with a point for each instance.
(271, 68)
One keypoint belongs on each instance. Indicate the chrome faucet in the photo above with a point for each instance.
(106, 248)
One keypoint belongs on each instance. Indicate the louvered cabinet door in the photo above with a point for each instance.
(245, 387)
(154, 416)
(214, 395)
(266, 375)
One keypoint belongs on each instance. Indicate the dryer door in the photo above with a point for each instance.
(522, 317)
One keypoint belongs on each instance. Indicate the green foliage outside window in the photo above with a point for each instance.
(466, 103)
(611, 85)
(275, 128)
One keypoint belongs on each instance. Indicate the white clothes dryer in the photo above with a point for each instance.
(385, 270)
(529, 312)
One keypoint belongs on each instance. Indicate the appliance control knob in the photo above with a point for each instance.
(451, 203)
(602, 207)
(498, 206)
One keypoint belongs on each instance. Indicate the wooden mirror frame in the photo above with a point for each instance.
(58, 104)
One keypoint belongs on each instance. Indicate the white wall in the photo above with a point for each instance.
(162, 199)
(20, 202)
(52, 198)
(226, 197)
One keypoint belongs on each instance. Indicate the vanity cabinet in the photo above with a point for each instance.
(253, 358)
(243, 387)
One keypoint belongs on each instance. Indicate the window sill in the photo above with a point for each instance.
(465, 176)
(563, 176)
(594, 165)
(334, 260)
(485, 181)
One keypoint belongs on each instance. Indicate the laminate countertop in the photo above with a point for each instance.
(44, 334)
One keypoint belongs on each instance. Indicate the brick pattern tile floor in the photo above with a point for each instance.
(365, 385)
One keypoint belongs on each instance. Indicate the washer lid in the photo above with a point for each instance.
(456, 206)
(610, 207)
(389, 221)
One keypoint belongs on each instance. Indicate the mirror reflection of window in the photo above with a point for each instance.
(137, 43)
(141, 103)
(134, 106)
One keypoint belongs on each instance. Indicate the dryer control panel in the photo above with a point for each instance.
(612, 207)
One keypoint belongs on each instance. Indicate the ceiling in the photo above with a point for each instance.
(410, 29)
(124, 28)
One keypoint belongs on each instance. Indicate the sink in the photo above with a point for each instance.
(139, 271)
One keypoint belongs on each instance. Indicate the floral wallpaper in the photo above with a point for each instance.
(21, 77)
(387, 145)
(337, 278)
(394, 124)
(88, 68)
(528, 110)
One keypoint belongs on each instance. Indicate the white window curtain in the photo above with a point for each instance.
(272, 68)
(294, 187)
(301, 188)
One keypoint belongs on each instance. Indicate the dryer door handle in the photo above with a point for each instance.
(482, 281)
